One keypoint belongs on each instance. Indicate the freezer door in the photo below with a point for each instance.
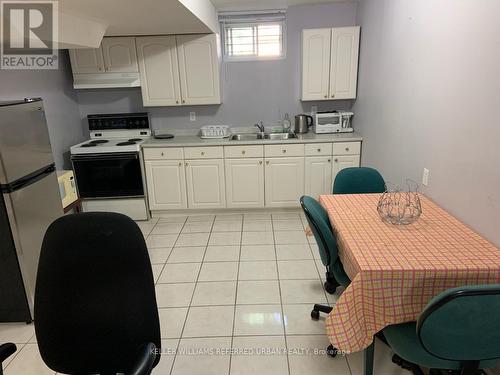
(31, 210)
(24, 140)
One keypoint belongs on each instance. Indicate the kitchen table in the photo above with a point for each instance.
(396, 269)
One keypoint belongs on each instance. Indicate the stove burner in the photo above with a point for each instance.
(135, 139)
(127, 143)
(89, 145)
(99, 141)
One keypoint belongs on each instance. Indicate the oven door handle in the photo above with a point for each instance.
(91, 157)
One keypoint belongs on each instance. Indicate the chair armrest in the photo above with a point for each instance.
(145, 360)
(6, 350)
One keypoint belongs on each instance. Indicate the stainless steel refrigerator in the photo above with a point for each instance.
(30, 201)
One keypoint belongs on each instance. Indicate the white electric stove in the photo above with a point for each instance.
(109, 168)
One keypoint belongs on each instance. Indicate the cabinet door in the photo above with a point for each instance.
(159, 71)
(284, 181)
(344, 62)
(345, 161)
(318, 172)
(119, 55)
(199, 69)
(245, 182)
(86, 60)
(315, 63)
(205, 183)
(166, 181)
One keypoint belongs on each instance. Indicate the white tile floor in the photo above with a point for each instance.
(245, 282)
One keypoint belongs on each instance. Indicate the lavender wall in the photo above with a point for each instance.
(61, 107)
(252, 91)
(428, 96)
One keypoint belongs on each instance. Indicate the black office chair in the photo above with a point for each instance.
(95, 304)
(6, 350)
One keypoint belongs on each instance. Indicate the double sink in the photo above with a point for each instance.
(257, 136)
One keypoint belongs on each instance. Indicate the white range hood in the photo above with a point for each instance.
(106, 80)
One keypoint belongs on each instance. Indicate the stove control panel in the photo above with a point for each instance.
(118, 121)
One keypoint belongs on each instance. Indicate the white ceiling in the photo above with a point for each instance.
(265, 4)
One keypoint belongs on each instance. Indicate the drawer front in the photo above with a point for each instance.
(165, 153)
(212, 152)
(284, 150)
(347, 148)
(318, 149)
(244, 152)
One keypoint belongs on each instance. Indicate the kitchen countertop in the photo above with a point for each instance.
(195, 140)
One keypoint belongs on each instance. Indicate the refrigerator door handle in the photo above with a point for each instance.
(29, 179)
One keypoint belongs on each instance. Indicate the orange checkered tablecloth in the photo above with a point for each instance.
(396, 270)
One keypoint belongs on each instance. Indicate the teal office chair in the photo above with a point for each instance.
(358, 180)
(458, 330)
(327, 243)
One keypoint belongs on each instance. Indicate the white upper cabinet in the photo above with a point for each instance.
(159, 71)
(315, 63)
(119, 55)
(330, 63)
(86, 60)
(344, 62)
(199, 69)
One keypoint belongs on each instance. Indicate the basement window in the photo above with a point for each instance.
(247, 37)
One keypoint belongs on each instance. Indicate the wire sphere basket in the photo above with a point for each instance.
(399, 207)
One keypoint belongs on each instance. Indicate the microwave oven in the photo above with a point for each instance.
(333, 122)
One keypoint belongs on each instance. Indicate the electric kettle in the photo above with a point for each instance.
(302, 123)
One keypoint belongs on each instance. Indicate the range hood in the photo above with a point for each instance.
(106, 80)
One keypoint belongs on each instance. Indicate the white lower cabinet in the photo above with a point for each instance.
(344, 161)
(166, 183)
(318, 176)
(284, 181)
(205, 183)
(245, 183)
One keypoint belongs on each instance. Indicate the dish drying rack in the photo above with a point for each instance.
(214, 131)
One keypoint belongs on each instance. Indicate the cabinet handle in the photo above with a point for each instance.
(267, 162)
(100, 69)
(162, 154)
(347, 148)
(202, 153)
(336, 160)
(260, 162)
(319, 150)
(180, 164)
(284, 151)
(176, 102)
(329, 160)
(243, 152)
(326, 96)
(333, 96)
(187, 164)
(183, 101)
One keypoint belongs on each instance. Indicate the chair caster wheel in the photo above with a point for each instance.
(315, 315)
(329, 287)
(331, 351)
(396, 359)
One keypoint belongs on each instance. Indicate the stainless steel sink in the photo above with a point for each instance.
(245, 137)
(280, 136)
(257, 136)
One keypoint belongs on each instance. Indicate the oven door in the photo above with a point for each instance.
(108, 175)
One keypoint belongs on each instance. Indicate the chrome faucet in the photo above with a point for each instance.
(260, 126)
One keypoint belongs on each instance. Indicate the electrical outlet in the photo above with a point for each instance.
(192, 116)
(425, 177)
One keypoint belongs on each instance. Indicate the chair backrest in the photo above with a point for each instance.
(358, 180)
(95, 303)
(462, 324)
(319, 223)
